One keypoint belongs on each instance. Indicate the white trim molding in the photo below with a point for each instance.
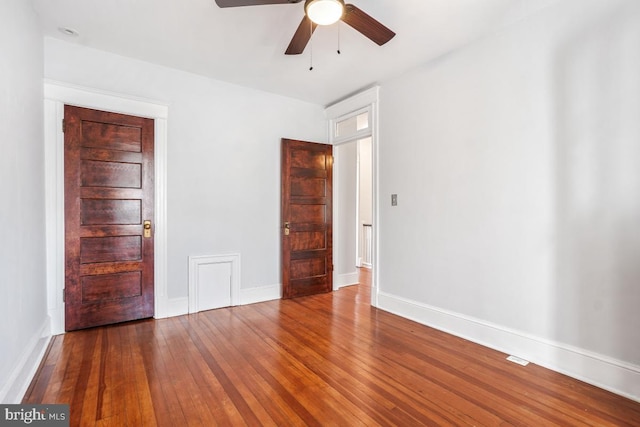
(346, 279)
(260, 294)
(353, 103)
(195, 262)
(177, 306)
(56, 96)
(602, 371)
(28, 363)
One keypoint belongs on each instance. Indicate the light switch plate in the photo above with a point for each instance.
(394, 200)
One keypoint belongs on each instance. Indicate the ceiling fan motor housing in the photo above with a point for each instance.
(324, 12)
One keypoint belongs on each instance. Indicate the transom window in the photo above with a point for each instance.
(355, 125)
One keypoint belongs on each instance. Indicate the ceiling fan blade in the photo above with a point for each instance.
(301, 37)
(238, 3)
(365, 24)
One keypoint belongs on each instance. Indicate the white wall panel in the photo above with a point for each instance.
(344, 223)
(24, 327)
(515, 161)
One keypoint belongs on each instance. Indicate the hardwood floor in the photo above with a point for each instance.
(323, 360)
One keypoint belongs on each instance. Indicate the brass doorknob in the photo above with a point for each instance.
(146, 225)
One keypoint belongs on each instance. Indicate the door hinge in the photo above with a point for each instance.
(64, 126)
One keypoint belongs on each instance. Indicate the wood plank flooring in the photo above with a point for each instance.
(325, 360)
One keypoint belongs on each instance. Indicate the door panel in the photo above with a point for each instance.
(111, 286)
(109, 249)
(307, 174)
(108, 196)
(110, 212)
(110, 174)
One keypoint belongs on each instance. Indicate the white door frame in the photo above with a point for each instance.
(365, 100)
(56, 95)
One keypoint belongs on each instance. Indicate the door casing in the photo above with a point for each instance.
(365, 100)
(56, 95)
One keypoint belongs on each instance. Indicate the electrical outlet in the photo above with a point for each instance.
(394, 200)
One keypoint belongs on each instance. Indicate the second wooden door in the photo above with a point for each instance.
(307, 255)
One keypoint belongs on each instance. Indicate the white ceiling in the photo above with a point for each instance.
(246, 45)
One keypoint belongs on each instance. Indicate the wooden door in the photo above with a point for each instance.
(307, 257)
(108, 168)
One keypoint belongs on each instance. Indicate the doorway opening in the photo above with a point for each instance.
(352, 132)
(354, 220)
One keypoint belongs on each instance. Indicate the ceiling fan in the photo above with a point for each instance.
(323, 12)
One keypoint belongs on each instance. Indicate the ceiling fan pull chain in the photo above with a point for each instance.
(311, 46)
(338, 23)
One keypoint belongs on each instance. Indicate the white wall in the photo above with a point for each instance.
(344, 223)
(365, 194)
(23, 318)
(365, 181)
(516, 163)
(223, 157)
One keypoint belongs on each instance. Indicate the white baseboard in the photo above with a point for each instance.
(260, 294)
(602, 371)
(180, 306)
(177, 306)
(22, 374)
(341, 280)
(56, 317)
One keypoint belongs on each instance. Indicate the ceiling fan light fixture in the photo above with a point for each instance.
(324, 12)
